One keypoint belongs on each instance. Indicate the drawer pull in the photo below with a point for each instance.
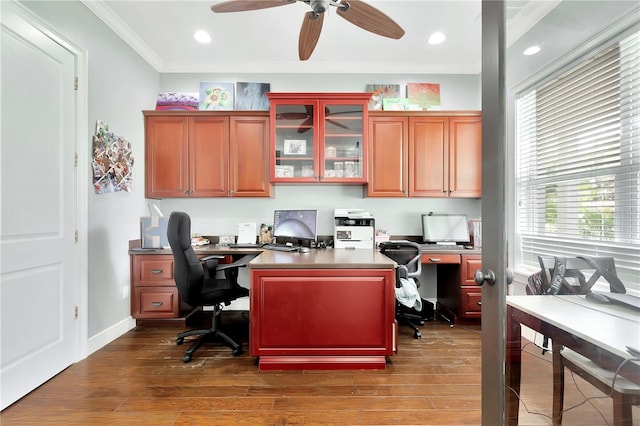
(156, 271)
(156, 304)
(434, 259)
(480, 303)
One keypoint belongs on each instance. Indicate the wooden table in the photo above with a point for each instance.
(600, 332)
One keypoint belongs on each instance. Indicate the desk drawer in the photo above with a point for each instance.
(156, 302)
(155, 270)
(438, 258)
(471, 302)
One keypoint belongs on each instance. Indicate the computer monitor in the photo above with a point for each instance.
(295, 226)
(445, 228)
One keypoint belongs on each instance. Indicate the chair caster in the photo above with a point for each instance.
(237, 351)
(180, 341)
(417, 334)
(186, 358)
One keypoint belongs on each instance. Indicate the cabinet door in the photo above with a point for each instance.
(387, 166)
(428, 156)
(293, 133)
(465, 157)
(342, 135)
(249, 157)
(166, 156)
(209, 156)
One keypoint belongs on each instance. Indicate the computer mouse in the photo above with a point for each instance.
(304, 249)
(597, 297)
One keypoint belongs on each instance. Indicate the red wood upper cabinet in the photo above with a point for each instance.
(206, 154)
(319, 137)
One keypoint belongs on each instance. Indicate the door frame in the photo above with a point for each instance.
(494, 230)
(81, 143)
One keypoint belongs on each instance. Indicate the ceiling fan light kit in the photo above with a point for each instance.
(356, 12)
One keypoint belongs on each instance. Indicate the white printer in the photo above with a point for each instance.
(353, 228)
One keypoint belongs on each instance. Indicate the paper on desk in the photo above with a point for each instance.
(247, 233)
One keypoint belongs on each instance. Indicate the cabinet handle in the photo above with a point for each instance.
(480, 303)
(156, 271)
(156, 303)
(434, 259)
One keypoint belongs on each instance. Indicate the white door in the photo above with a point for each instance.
(38, 199)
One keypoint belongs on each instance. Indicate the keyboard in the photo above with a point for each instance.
(245, 245)
(279, 247)
(441, 247)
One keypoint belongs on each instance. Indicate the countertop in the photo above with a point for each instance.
(323, 259)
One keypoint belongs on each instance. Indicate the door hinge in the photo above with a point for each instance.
(75, 83)
(75, 159)
(75, 312)
(75, 235)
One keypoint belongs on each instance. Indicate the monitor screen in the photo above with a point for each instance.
(295, 224)
(445, 228)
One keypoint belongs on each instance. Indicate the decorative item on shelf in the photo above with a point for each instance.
(330, 151)
(329, 173)
(381, 91)
(350, 169)
(339, 168)
(177, 101)
(395, 104)
(307, 170)
(216, 96)
(284, 171)
(265, 234)
(425, 95)
(251, 96)
(295, 147)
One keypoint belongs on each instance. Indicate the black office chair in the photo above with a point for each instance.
(408, 256)
(198, 286)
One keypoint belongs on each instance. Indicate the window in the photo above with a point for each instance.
(578, 162)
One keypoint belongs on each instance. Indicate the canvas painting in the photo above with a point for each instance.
(425, 95)
(252, 96)
(381, 91)
(177, 101)
(216, 96)
(395, 104)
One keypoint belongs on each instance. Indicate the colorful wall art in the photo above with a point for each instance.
(216, 96)
(425, 95)
(112, 161)
(381, 91)
(177, 101)
(252, 96)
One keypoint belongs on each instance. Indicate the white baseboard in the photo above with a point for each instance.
(107, 336)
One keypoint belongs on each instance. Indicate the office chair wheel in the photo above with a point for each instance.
(180, 341)
(237, 351)
(186, 358)
(417, 334)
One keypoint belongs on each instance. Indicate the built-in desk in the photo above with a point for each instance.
(327, 309)
(459, 299)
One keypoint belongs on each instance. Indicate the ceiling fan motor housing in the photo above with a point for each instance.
(319, 6)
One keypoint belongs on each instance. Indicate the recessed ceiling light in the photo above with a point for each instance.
(202, 36)
(436, 38)
(531, 50)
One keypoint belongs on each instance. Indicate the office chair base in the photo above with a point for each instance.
(208, 335)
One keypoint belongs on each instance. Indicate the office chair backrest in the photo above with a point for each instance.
(404, 253)
(575, 268)
(188, 271)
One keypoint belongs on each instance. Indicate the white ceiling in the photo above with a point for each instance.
(266, 41)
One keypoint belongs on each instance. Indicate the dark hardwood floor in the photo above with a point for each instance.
(140, 379)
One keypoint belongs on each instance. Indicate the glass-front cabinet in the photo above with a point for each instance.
(319, 137)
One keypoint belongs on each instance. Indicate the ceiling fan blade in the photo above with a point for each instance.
(369, 18)
(309, 34)
(292, 116)
(245, 5)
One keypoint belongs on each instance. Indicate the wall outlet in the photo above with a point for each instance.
(125, 292)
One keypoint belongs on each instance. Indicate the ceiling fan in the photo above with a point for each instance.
(357, 12)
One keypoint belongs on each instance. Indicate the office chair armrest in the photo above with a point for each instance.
(211, 257)
(242, 262)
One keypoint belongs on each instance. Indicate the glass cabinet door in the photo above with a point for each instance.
(343, 135)
(295, 135)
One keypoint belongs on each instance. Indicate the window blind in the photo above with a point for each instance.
(578, 162)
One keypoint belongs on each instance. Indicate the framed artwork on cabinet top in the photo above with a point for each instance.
(381, 91)
(177, 101)
(295, 147)
(216, 96)
(425, 95)
(251, 96)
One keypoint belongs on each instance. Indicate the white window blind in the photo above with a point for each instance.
(578, 162)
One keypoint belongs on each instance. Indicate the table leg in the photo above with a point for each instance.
(558, 383)
(513, 367)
